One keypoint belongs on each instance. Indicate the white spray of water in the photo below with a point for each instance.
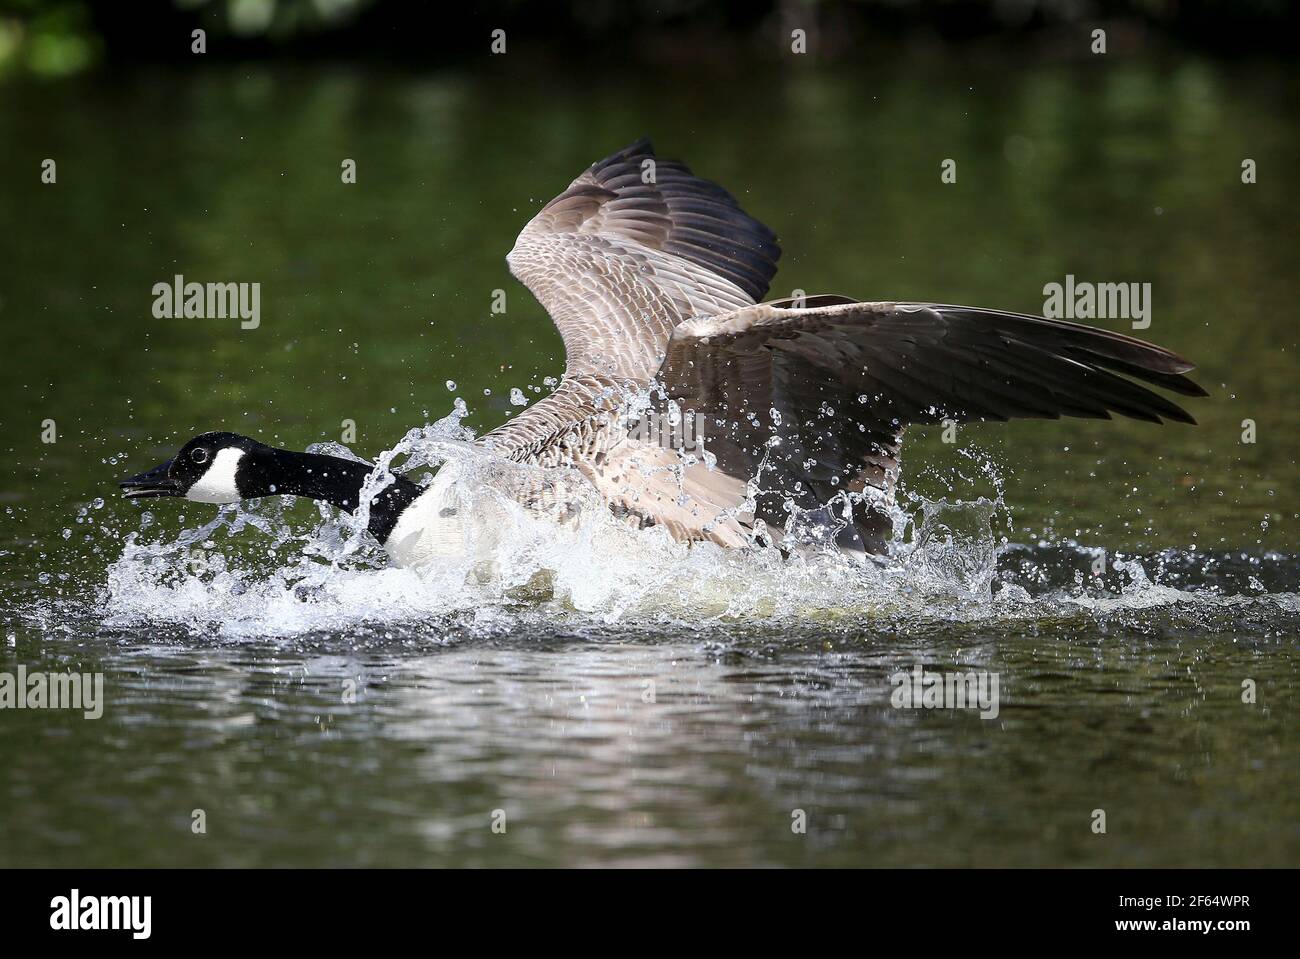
(248, 571)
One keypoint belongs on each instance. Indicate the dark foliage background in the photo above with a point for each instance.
(64, 36)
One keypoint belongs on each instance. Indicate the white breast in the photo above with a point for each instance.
(432, 527)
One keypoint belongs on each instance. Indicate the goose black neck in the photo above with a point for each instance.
(329, 478)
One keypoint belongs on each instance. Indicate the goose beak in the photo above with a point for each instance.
(154, 482)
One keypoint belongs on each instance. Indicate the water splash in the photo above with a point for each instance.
(251, 571)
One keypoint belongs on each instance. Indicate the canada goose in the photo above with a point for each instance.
(653, 277)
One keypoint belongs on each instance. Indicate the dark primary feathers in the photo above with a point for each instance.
(662, 205)
(656, 282)
(816, 400)
(924, 362)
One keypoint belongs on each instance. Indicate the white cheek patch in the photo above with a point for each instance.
(217, 485)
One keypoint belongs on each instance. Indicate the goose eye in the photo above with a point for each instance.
(199, 455)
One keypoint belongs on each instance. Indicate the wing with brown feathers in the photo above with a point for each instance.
(809, 403)
(634, 246)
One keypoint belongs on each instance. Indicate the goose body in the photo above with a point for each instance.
(654, 278)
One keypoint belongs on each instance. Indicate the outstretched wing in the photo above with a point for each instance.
(811, 402)
(634, 246)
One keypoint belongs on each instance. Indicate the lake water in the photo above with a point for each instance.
(606, 698)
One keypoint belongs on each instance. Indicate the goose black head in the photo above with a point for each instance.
(211, 468)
